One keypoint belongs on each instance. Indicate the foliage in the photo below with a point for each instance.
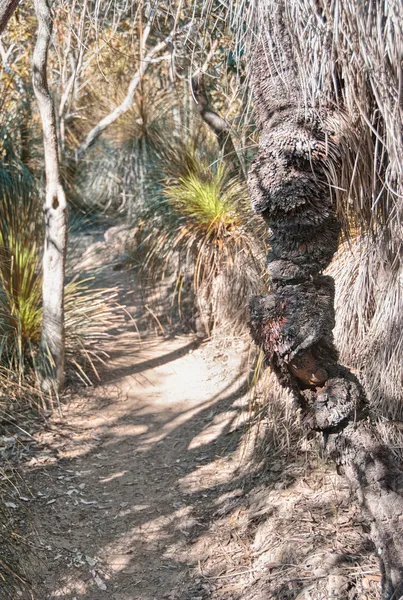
(208, 226)
(200, 226)
(20, 247)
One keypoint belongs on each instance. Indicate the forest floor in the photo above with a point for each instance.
(148, 487)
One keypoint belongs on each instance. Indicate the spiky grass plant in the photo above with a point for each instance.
(89, 312)
(20, 301)
(201, 227)
(209, 226)
(20, 240)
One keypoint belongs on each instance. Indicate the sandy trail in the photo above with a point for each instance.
(125, 485)
(143, 491)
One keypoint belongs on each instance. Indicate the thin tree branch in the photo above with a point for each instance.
(129, 99)
(7, 8)
(217, 124)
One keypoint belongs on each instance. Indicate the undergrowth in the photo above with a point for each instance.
(200, 228)
(89, 312)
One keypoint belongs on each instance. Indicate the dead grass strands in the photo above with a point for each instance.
(369, 325)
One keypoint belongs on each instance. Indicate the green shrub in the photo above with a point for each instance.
(199, 227)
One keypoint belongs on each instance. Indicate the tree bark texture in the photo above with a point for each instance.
(55, 209)
(216, 123)
(289, 187)
(7, 8)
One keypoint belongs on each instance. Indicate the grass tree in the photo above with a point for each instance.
(311, 109)
(55, 211)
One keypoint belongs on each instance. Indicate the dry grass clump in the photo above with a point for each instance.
(369, 322)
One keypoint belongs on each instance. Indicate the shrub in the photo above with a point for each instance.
(200, 226)
(89, 312)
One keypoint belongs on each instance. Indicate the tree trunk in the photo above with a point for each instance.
(55, 211)
(7, 8)
(289, 187)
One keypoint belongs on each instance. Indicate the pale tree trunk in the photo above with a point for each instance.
(55, 210)
(7, 8)
(289, 187)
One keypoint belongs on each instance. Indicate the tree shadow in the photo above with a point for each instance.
(144, 489)
(136, 503)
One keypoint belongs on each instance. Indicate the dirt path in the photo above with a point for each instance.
(126, 483)
(142, 490)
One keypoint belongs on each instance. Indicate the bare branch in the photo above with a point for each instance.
(129, 99)
(7, 8)
(216, 123)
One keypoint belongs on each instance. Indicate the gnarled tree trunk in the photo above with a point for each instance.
(289, 187)
(54, 258)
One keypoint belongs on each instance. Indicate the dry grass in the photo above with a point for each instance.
(369, 323)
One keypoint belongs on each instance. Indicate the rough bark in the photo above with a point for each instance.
(55, 210)
(216, 123)
(7, 8)
(289, 187)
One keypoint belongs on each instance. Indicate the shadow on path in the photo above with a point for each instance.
(123, 502)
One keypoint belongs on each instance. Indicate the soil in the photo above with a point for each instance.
(128, 478)
(150, 486)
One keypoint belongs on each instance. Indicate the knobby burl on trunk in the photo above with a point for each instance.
(293, 323)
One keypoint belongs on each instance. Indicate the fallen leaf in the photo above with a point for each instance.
(101, 584)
